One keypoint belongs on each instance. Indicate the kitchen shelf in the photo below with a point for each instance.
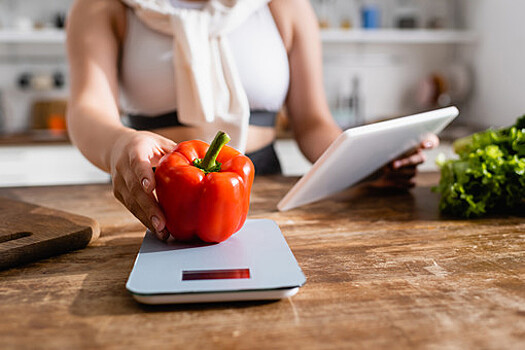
(34, 137)
(328, 36)
(40, 36)
(397, 36)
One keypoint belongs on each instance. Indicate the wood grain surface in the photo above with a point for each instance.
(384, 270)
(30, 232)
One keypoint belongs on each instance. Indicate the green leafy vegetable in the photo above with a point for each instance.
(489, 175)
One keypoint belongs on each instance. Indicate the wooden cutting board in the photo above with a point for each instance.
(30, 232)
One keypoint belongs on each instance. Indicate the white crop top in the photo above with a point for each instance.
(147, 85)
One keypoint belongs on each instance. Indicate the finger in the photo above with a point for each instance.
(147, 156)
(405, 184)
(164, 146)
(134, 207)
(123, 194)
(396, 162)
(409, 153)
(429, 141)
(415, 159)
(393, 183)
(118, 186)
(142, 168)
(403, 173)
(144, 175)
(401, 183)
(404, 169)
(153, 215)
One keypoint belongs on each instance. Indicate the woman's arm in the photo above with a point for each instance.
(94, 35)
(93, 32)
(310, 117)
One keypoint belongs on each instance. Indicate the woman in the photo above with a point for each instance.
(113, 54)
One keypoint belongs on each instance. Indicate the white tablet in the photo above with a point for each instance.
(360, 151)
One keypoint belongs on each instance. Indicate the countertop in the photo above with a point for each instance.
(383, 270)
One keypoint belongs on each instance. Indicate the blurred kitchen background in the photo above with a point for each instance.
(382, 59)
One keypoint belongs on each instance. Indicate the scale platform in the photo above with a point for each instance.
(254, 264)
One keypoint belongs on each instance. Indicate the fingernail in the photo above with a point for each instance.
(428, 144)
(396, 164)
(156, 223)
(161, 232)
(145, 184)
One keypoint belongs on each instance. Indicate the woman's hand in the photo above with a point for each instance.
(400, 172)
(132, 158)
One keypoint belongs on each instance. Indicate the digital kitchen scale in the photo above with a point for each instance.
(253, 264)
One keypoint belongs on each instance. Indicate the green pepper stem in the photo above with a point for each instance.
(208, 162)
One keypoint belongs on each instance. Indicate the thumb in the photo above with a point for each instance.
(429, 141)
(163, 147)
(167, 145)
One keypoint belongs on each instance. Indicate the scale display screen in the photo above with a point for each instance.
(194, 275)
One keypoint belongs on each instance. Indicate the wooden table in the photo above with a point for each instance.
(384, 270)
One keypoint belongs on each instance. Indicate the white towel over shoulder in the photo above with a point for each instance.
(209, 92)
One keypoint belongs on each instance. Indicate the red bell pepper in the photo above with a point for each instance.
(204, 190)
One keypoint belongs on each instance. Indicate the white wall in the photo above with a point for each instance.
(499, 60)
